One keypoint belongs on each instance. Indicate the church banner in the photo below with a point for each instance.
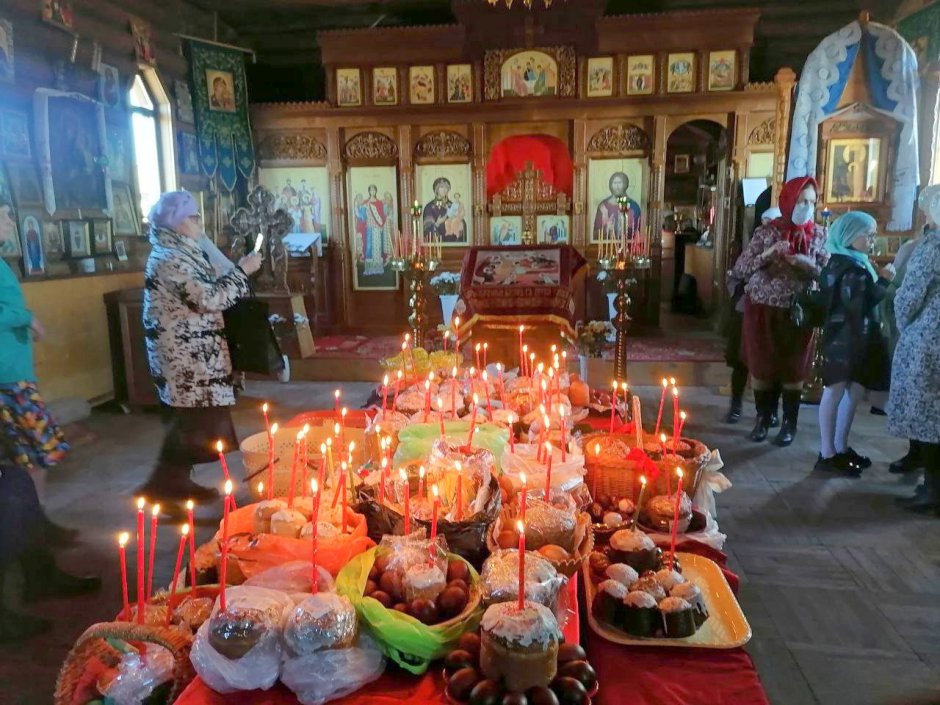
(220, 101)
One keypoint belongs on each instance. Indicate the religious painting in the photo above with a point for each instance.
(116, 143)
(58, 13)
(385, 85)
(7, 71)
(184, 102)
(24, 184)
(34, 259)
(71, 141)
(600, 77)
(459, 83)
(528, 74)
(608, 181)
(109, 85)
(79, 239)
(102, 237)
(14, 135)
(553, 229)
(220, 86)
(445, 193)
(9, 237)
(120, 250)
(189, 153)
(853, 170)
(641, 74)
(421, 85)
(681, 164)
(760, 164)
(721, 70)
(124, 212)
(304, 193)
(506, 230)
(680, 73)
(52, 237)
(348, 87)
(143, 42)
(373, 226)
(517, 268)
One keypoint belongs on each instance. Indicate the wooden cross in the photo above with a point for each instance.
(261, 217)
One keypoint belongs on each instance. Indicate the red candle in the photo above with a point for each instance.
(675, 521)
(502, 387)
(564, 431)
(486, 385)
(682, 417)
(427, 399)
(477, 349)
(315, 574)
(220, 447)
(122, 552)
(293, 469)
(322, 477)
(434, 507)
(520, 527)
(675, 417)
(140, 559)
(597, 455)
(336, 395)
(446, 336)
(184, 534)
(662, 401)
(397, 390)
(407, 488)
(154, 518)
(190, 506)
(422, 485)
(525, 372)
(486, 349)
(344, 494)
(458, 514)
(522, 495)
(531, 363)
(512, 435)
(521, 353)
(382, 468)
(548, 471)
(342, 425)
(473, 420)
(613, 407)
(453, 391)
(271, 435)
(457, 341)
(223, 570)
(440, 412)
(384, 395)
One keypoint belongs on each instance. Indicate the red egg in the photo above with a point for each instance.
(451, 602)
(375, 573)
(459, 584)
(571, 652)
(458, 570)
(371, 586)
(457, 660)
(470, 642)
(381, 562)
(423, 610)
(383, 597)
(462, 683)
(541, 695)
(401, 607)
(487, 692)
(581, 671)
(390, 582)
(515, 699)
(570, 691)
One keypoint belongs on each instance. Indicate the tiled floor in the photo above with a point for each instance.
(842, 588)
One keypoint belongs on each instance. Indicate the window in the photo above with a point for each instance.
(152, 132)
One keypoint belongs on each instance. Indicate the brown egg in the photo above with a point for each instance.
(487, 692)
(570, 691)
(382, 597)
(457, 660)
(423, 610)
(515, 699)
(375, 573)
(390, 582)
(451, 602)
(371, 586)
(381, 562)
(470, 642)
(541, 695)
(571, 652)
(581, 671)
(462, 683)
(401, 607)
(507, 539)
(458, 570)
(459, 584)
(554, 553)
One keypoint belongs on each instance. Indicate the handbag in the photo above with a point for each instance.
(808, 309)
(251, 340)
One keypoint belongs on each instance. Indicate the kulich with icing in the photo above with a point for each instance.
(519, 646)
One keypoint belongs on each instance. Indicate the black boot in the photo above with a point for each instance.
(929, 500)
(738, 383)
(909, 463)
(773, 401)
(762, 404)
(734, 413)
(43, 579)
(58, 535)
(791, 413)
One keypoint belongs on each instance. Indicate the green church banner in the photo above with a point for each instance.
(220, 103)
(922, 31)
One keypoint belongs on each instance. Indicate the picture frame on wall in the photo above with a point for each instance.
(385, 85)
(506, 230)
(722, 70)
(24, 183)
(348, 88)
(641, 74)
(600, 77)
(52, 239)
(189, 153)
(373, 226)
(680, 72)
(10, 247)
(116, 151)
(7, 56)
(14, 135)
(120, 251)
(608, 180)
(854, 170)
(102, 237)
(459, 83)
(79, 238)
(304, 193)
(34, 258)
(143, 41)
(681, 164)
(446, 197)
(553, 229)
(184, 102)
(421, 85)
(59, 14)
(124, 213)
(109, 85)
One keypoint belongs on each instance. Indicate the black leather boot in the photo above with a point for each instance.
(761, 403)
(43, 579)
(929, 500)
(773, 401)
(734, 413)
(910, 462)
(791, 413)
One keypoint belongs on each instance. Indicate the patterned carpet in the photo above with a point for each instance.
(665, 349)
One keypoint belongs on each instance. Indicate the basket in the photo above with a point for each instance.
(567, 567)
(94, 644)
(610, 475)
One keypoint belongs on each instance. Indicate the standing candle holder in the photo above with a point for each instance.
(416, 260)
(813, 387)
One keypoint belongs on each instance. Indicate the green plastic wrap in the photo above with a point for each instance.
(405, 640)
(415, 441)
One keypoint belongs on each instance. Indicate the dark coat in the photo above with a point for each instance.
(853, 345)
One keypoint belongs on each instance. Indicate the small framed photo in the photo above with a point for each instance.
(421, 85)
(680, 73)
(14, 135)
(126, 221)
(52, 237)
(103, 237)
(348, 88)
(459, 83)
(34, 259)
(220, 87)
(600, 77)
(120, 251)
(109, 85)
(10, 244)
(58, 13)
(79, 239)
(24, 181)
(681, 164)
(641, 74)
(385, 85)
(722, 70)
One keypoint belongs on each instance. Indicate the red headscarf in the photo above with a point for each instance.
(799, 236)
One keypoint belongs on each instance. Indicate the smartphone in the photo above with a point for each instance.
(258, 242)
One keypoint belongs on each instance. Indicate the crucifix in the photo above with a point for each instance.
(260, 217)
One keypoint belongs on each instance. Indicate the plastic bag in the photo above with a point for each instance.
(292, 577)
(415, 441)
(500, 578)
(566, 476)
(327, 675)
(139, 673)
(259, 667)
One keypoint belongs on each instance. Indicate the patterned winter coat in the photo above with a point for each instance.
(183, 324)
(914, 404)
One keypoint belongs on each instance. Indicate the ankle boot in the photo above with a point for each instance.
(910, 462)
(929, 500)
(773, 401)
(791, 412)
(43, 579)
(762, 405)
(734, 413)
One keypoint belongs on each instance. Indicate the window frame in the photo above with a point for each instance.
(162, 116)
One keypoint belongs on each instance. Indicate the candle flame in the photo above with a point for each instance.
(486, 346)
(323, 449)
(459, 466)
(522, 477)
(314, 486)
(643, 480)
(431, 376)
(564, 355)
(228, 487)
(403, 475)
(219, 446)
(260, 487)
(561, 411)
(435, 492)
(300, 435)
(540, 367)
(343, 465)
(329, 444)
(457, 322)
(385, 380)
(665, 382)
(352, 446)
(421, 471)
(532, 357)
(597, 449)
(484, 376)
(510, 419)
(264, 408)
(155, 512)
(521, 328)
(384, 463)
(499, 367)
(615, 385)
(336, 394)
(453, 371)
(520, 527)
(427, 384)
(446, 335)
(476, 398)
(400, 375)
(141, 502)
(440, 404)
(306, 428)
(123, 538)
(274, 428)
(184, 529)
(672, 381)
(336, 429)
(342, 412)
(679, 472)
(190, 505)
(682, 415)
(554, 348)
(675, 391)
(662, 437)
(477, 347)
(525, 348)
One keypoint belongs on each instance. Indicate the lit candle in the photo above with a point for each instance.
(427, 399)
(531, 362)
(597, 455)
(141, 502)
(304, 452)
(384, 395)
(453, 391)
(486, 348)
(350, 449)
(345, 494)
(639, 502)
(190, 506)
(154, 518)
(477, 349)
(675, 417)
(329, 455)
(662, 443)
(613, 406)
(223, 570)
(342, 425)
(473, 420)
(458, 514)
(440, 412)
(526, 372)
(457, 341)
(675, 521)
(122, 553)
(520, 527)
(434, 509)
(522, 495)
(293, 469)
(422, 489)
(486, 385)
(315, 574)
(184, 535)
(521, 353)
(264, 411)
(662, 401)
(336, 395)
(548, 471)
(271, 434)
(397, 390)
(382, 468)
(446, 336)
(502, 387)
(407, 489)
(682, 417)
(564, 431)
(512, 434)
(321, 480)
(340, 488)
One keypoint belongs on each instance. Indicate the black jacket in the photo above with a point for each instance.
(853, 345)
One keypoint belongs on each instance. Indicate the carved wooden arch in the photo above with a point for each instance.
(764, 134)
(443, 144)
(370, 146)
(281, 146)
(624, 138)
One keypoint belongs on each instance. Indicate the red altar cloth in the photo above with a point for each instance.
(547, 154)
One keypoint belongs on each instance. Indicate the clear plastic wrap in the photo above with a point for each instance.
(322, 621)
(139, 673)
(547, 524)
(292, 577)
(566, 476)
(249, 632)
(406, 551)
(500, 578)
(327, 675)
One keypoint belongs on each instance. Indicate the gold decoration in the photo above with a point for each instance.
(371, 145)
(619, 139)
(763, 133)
(442, 144)
(291, 147)
(564, 57)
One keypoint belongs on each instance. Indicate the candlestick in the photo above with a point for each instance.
(477, 349)
(639, 502)
(422, 487)
(522, 496)
(662, 401)
(434, 509)
(597, 455)
(407, 488)
(512, 434)
(473, 420)
(520, 527)
(190, 506)
(223, 569)
(521, 353)
(184, 535)
(154, 518)
(384, 395)
(486, 349)
(293, 469)
(458, 514)
(141, 502)
(315, 542)
(548, 471)
(675, 521)
(613, 406)
(122, 553)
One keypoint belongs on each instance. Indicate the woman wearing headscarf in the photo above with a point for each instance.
(914, 401)
(781, 259)
(853, 346)
(184, 298)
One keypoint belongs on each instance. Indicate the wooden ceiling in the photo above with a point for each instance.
(283, 32)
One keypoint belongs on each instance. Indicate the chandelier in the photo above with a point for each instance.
(527, 3)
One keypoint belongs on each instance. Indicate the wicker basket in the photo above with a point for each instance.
(607, 475)
(93, 644)
(567, 567)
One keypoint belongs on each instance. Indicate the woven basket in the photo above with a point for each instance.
(613, 476)
(567, 567)
(93, 644)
